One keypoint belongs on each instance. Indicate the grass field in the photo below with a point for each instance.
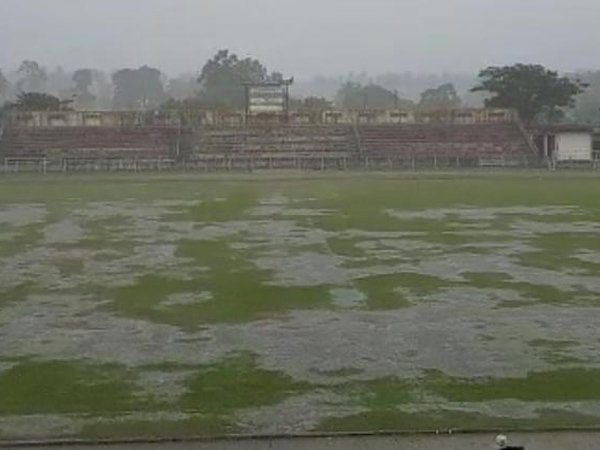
(178, 306)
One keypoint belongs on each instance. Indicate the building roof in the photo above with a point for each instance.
(565, 128)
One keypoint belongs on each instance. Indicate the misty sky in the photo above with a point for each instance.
(303, 37)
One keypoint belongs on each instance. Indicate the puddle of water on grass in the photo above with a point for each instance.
(188, 298)
(66, 231)
(348, 298)
(22, 215)
(481, 214)
(296, 414)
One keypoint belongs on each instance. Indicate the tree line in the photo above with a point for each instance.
(539, 95)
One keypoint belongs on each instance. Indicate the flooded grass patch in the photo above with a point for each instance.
(238, 291)
(558, 251)
(209, 306)
(390, 291)
(131, 427)
(531, 293)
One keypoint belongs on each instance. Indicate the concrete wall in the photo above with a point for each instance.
(46, 119)
(574, 146)
(457, 116)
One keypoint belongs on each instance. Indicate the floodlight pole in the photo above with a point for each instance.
(247, 104)
(287, 102)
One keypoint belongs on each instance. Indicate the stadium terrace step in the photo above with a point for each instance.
(413, 145)
(89, 141)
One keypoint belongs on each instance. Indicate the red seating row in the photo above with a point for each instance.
(90, 141)
(494, 139)
(398, 141)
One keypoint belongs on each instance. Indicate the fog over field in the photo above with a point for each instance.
(302, 38)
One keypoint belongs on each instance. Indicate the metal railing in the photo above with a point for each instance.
(335, 160)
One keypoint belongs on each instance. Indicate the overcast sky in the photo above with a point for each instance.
(303, 37)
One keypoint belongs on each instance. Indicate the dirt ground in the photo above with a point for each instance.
(531, 441)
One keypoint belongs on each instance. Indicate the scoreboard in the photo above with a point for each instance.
(266, 99)
(270, 97)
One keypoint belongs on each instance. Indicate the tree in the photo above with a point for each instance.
(183, 87)
(102, 89)
(138, 88)
(59, 83)
(587, 107)
(355, 95)
(312, 107)
(38, 101)
(310, 104)
(33, 77)
(442, 97)
(534, 91)
(222, 77)
(4, 85)
(83, 80)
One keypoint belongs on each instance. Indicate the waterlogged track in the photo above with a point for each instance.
(168, 307)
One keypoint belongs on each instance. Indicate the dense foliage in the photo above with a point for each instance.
(442, 97)
(138, 88)
(355, 95)
(534, 91)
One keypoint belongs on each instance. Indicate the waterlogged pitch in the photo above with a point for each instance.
(172, 306)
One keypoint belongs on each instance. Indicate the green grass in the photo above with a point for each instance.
(561, 385)
(70, 266)
(57, 387)
(556, 251)
(238, 383)
(345, 247)
(15, 294)
(445, 419)
(26, 238)
(564, 385)
(384, 400)
(112, 393)
(214, 393)
(389, 291)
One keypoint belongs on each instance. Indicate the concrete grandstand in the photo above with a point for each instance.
(334, 140)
